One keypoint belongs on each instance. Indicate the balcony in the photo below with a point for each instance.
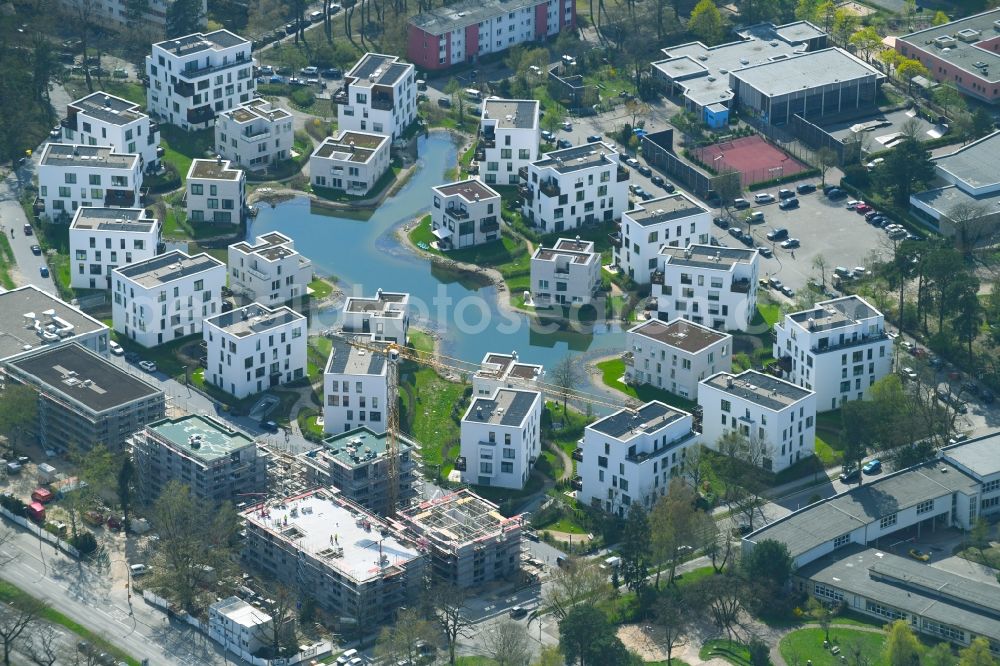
(629, 359)
(656, 277)
(622, 175)
(382, 103)
(527, 193)
(119, 198)
(211, 69)
(522, 173)
(184, 89)
(615, 239)
(550, 188)
(340, 96)
(202, 114)
(740, 286)
(489, 225)
(257, 274)
(254, 138)
(456, 213)
(864, 340)
(69, 122)
(644, 456)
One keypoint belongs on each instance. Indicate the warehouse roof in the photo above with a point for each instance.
(960, 43)
(806, 71)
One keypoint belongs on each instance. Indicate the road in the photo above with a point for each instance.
(86, 595)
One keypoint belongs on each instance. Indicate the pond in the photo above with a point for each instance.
(365, 254)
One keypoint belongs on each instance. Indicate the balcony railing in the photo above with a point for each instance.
(615, 239)
(526, 192)
(864, 340)
(257, 273)
(119, 198)
(623, 174)
(340, 96)
(254, 138)
(198, 73)
(656, 277)
(202, 114)
(629, 359)
(522, 173)
(549, 188)
(382, 103)
(740, 286)
(457, 213)
(489, 225)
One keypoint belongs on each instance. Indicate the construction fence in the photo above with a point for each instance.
(41, 533)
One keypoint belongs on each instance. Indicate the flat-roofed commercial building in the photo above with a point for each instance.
(777, 419)
(631, 456)
(215, 461)
(469, 541)
(675, 356)
(673, 221)
(101, 239)
(31, 318)
(501, 438)
(464, 214)
(102, 119)
(269, 271)
(509, 136)
(166, 297)
(567, 274)
(379, 95)
(71, 176)
(356, 464)
(84, 399)
(356, 567)
(352, 162)
(216, 192)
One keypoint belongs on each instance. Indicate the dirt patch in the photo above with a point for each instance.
(569, 537)
(855, 8)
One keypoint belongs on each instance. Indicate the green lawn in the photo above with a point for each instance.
(180, 148)
(508, 255)
(7, 262)
(320, 287)
(734, 652)
(693, 576)
(474, 661)
(13, 595)
(564, 525)
(613, 369)
(807, 644)
(307, 423)
(769, 312)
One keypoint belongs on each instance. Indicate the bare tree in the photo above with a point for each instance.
(506, 643)
(819, 263)
(971, 224)
(579, 581)
(566, 376)
(15, 619)
(727, 186)
(6, 537)
(693, 465)
(279, 634)
(911, 129)
(45, 646)
(713, 542)
(825, 158)
(673, 619)
(400, 640)
(449, 608)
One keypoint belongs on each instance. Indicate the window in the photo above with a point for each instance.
(485, 468)
(507, 468)
(197, 188)
(830, 593)
(726, 406)
(887, 521)
(925, 507)
(885, 611)
(842, 541)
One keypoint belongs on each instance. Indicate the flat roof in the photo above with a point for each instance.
(198, 41)
(579, 157)
(253, 319)
(824, 521)
(132, 220)
(708, 256)
(975, 164)
(628, 423)
(759, 388)
(21, 307)
(342, 535)
(458, 518)
(257, 109)
(378, 69)
(664, 209)
(507, 407)
(576, 251)
(165, 268)
(912, 587)
(347, 360)
(957, 51)
(83, 376)
(506, 365)
(382, 302)
(809, 70)
(358, 447)
(213, 170)
(95, 157)
(680, 333)
(511, 113)
(241, 612)
(464, 13)
(272, 246)
(981, 455)
(109, 108)
(471, 190)
(944, 200)
(200, 437)
(351, 146)
(836, 313)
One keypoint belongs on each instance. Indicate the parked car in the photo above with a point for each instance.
(594, 138)
(850, 475)
(564, 143)
(852, 204)
(28, 231)
(908, 373)
(331, 73)
(791, 244)
(639, 192)
(315, 17)
(747, 239)
(138, 569)
(309, 71)
(115, 348)
(836, 193)
(720, 222)
(872, 467)
(862, 208)
(919, 555)
(785, 193)
(518, 612)
(779, 234)
(269, 426)
(763, 197)
(548, 136)
(131, 356)
(36, 250)
(734, 232)
(789, 204)
(658, 180)
(566, 125)
(765, 251)
(644, 170)
(870, 213)
(444, 102)
(805, 188)
(740, 204)
(755, 217)
(43, 271)
(148, 366)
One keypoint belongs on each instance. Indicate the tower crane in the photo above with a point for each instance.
(395, 353)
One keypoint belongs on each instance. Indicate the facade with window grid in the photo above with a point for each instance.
(216, 192)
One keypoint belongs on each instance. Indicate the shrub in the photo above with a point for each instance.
(303, 97)
(13, 504)
(84, 542)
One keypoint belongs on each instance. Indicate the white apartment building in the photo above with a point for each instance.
(254, 348)
(569, 273)
(672, 221)
(102, 239)
(379, 95)
(509, 135)
(385, 317)
(71, 176)
(501, 438)
(115, 15)
(505, 371)
(574, 186)
(254, 135)
(216, 192)
(707, 284)
(166, 297)
(464, 214)
(675, 356)
(631, 456)
(353, 162)
(777, 418)
(269, 271)
(838, 349)
(194, 78)
(239, 627)
(355, 388)
(101, 119)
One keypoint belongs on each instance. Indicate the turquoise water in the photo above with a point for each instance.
(365, 255)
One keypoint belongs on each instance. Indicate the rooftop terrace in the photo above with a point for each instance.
(471, 190)
(351, 146)
(108, 108)
(664, 209)
(511, 113)
(131, 220)
(214, 170)
(680, 333)
(708, 256)
(377, 69)
(253, 319)
(576, 158)
(93, 157)
(507, 407)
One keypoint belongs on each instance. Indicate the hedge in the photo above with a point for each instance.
(808, 173)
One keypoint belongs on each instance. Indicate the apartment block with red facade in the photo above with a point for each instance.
(467, 30)
(965, 53)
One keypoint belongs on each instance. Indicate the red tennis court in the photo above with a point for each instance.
(755, 159)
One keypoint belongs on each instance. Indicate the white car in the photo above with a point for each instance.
(566, 125)
(148, 366)
(139, 569)
(765, 197)
(116, 348)
(852, 204)
(908, 373)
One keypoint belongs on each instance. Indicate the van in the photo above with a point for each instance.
(841, 271)
(421, 84)
(474, 94)
(611, 563)
(346, 657)
(756, 216)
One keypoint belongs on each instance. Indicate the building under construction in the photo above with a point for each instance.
(355, 566)
(469, 541)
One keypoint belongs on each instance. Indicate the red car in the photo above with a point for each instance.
(862, 208)
(114, 523)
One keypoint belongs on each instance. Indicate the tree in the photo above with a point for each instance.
(906, 165)
(940, 18)
(819, 263)
(818, 610)
(977, 654)
(693, 465)
(635, 547)
(939, 655)
(728, 185)
(760, 653)
(672, 525)
(673, 619)
(550, 656)
(858, 427)
(18, 412)
(866, 41)
(969, 317)
(982, 123)
(566, 376)
(948, 97)
(400, 641)
(506, 643)
(825, 158)
(706, 23)
(16, 618)
(909, 68)
(768, 561)
(722, 596)
(99, 468)
(970, 225)
(844, 25)
(184, 17)
(587, 638)
(979, 537)
(192, 535)
(126, 481)
(449, 609)
(44, 646)
(279, 634)
(901, 647)
(579, 582)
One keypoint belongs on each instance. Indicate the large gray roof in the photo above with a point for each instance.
(109, 108)
(708, 256)
(975, 164)
(16, 330)
(980, 456)
(809, 70)
(165, 268)
(464, 13)
(664, 209)
(955, 50)
(348, 360)
(512, 113)
(507, 407)
(759, 388)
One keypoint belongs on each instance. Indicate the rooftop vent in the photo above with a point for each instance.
(945, 41)
(968, 35)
